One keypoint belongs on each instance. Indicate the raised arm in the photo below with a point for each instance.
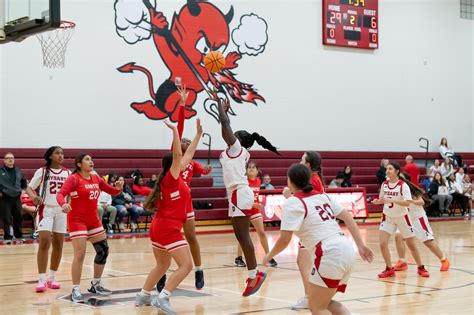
(189, 154)
(222, 106)
(177, 154)
(183, 95)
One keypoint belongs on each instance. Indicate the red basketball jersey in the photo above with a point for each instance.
(191, 169)
(318, 186)
(173, 199)
(255, 186)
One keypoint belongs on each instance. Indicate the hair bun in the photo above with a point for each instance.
(308, 188)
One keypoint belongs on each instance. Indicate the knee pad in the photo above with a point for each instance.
(102, 251)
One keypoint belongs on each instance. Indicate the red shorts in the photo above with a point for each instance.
(190, 210)
(80, 227)
(165, 234)
(254, 214)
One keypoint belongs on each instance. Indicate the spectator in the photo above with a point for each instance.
(467, 188)
(446, 151)
(12, 181)
(337, 182)
(105, 205)
(152, 181)
(347, 176)
(381, 173)
(412, 170)
(125, 202)
(267, 182)
(438, 191)
(457, 192)
(447, 168)
(139, 188)
(435, 168)
(460, 176)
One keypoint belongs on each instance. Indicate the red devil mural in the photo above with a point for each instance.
(198, 28)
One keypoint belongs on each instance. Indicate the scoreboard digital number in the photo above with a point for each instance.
(351, 23)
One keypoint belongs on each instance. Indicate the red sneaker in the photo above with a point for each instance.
(253, 285)
(401, 266)
(423, 272)
(445, 264)
(388, 272)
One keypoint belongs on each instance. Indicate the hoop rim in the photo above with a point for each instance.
(67, 24)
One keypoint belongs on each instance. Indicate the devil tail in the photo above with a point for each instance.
(131, 66)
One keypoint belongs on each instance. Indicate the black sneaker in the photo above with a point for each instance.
(199, 276)
(272, 263)
(161, 284)
(97, 288)
(239, 262)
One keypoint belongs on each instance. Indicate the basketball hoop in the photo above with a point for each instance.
(54, 44)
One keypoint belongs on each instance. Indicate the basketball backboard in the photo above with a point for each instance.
(20, 19)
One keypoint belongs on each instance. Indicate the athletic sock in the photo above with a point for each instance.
(52, 274)
(164, 294)
(144, 292)
(198, 268)
(253, 273)
(95, 281)
(42, 277)
(402, 259)
(76, 287)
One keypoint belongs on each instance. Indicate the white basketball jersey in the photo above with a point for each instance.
(54, 182)
(395, 191)
(234, 167)
(415, 211)
(312, 217)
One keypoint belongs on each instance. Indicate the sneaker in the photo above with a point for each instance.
(239, 262)
(423, 272)
(257, 283)
(272, 263)
(53, 284)
(123, 229)
(302, 304)
(444, 265)
(97, 288)
(164, 305)
(142, 300)
(110, 229)
(76, 296)
(8, 242)
(388, 272)
(41, 287)
(161, 284)
(401, 266)
(134, 227)
(199, 276)
(35, 235)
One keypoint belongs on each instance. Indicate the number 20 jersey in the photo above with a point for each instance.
(54, 182)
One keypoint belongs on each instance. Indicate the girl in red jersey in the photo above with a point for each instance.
(256, 215)
(83, 188)
(170, 197)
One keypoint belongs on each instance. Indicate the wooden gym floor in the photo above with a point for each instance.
(130, 260)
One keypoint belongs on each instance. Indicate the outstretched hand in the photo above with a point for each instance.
(213, 95)
(198, 127)
(170, 125)
(183, 94)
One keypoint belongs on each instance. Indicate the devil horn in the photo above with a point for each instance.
(193, 7)
(230, 15)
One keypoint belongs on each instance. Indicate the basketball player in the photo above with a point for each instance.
(312, 217)
(170, 197)
(233, 161)
(52, 220)
(256, 215)
(83, 189)
(421, 227)
(395, 196)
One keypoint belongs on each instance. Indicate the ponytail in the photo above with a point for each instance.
(314, 160)
(150, 201)
(247, 140)
(300, 176)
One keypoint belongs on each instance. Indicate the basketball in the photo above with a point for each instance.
(214, 61)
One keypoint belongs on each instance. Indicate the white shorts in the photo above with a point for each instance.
(332, 260)
(403, 224)
(241, 202)
(52, 219)
(422, 228)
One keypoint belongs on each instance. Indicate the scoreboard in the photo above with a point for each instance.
(351, 23)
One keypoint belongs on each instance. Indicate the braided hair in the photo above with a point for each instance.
(247, 140)
(49, 161)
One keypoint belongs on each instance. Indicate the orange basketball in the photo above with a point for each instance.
(214, 61)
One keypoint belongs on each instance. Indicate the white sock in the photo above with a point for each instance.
(164, 294)
(144, 292)
(253, 273)
(42, 277)
(198, 268)
(402, 259)
(52, 274)
(95, 281)
(76, 287)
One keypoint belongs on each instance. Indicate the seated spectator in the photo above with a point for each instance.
(139, 188)
(267, 183)
(411, 169)
(347, 176)
(435, 168)
(105, 205)
(447, 168)
(151, 183)
(337, 182)
(468, 190)
(382, 172)
(460, 176)
(446, 151)
(28, 207)
(125, 203)
(457, 192)
(438, 191)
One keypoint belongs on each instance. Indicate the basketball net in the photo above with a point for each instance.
(54, 44)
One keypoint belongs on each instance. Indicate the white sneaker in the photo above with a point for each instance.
(134, 226)
(301, 304)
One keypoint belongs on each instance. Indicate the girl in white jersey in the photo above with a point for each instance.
(395, 196)
(241, 197)
(421, 226)
(52, 220)
(312, 217)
